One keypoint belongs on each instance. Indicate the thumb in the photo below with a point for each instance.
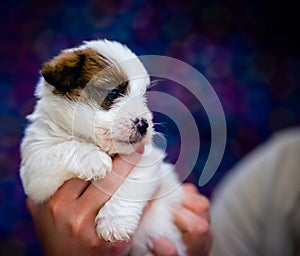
(122, 165)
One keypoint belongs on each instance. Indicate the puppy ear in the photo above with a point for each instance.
(64, 71)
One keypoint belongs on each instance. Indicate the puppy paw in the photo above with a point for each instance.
(95, 165)
(116, 223)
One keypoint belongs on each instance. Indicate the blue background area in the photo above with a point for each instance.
(249, 52)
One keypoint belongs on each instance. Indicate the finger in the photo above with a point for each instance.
(190, 187)
(101, 190)
(122, 165)
(189, 222)
(31, 205)
(72, 189)
(197, 203)
(163, 247)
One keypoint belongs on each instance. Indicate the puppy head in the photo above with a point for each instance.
(104, 84)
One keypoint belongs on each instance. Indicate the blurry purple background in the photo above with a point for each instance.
(249, 52)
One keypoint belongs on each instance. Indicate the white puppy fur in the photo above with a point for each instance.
(82, 118)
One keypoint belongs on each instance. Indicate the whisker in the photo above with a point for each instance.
(159, 134)
(161, 124)
(155, 82)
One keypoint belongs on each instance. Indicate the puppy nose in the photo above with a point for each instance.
(141, 126)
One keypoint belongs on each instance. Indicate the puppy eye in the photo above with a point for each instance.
(115, 93)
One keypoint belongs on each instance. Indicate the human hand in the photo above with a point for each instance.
(65, 223)
(193, 219)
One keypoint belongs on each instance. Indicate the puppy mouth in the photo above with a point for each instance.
(131, 141)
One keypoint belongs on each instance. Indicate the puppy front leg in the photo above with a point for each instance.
(90, 163)
(119, 218)
(44, 170)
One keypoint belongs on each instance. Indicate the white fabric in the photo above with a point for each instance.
(256, 209)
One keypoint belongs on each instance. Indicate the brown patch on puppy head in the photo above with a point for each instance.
(71, 72)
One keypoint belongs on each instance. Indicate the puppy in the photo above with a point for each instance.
(91, 106)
